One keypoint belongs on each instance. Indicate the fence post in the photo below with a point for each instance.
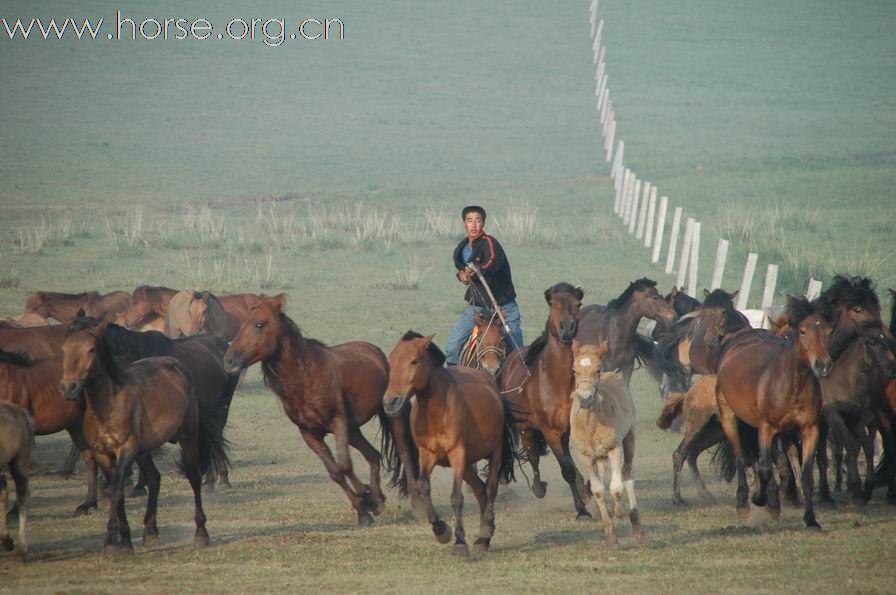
(660, 225)
(814, 289)
(633, 214)
(642, 212)
(611, 115)
(651, 211)
(719, 270)
(610, 134)
(627, 207)
(673, 240)
(747, 281)
(602, 100)
(620, 193)
(597, 35)
(695, 259)
(771, 279)
(617, 162)
(685, 252)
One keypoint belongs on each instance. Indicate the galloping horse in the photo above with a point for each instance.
(457, 418)
(132, 411)
(148, 305)
(323, 390)
(485, 348)
(64, 306)
(538, 381)
(770, 384)
(16, 437)
(617, 322)
(602, 427)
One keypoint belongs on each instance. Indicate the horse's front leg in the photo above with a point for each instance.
(533, 455)
(768, 487)
(559, 445)
(809, 439)
(866, 440)
(441, 530)
(320, 448)
(341, 439)
(458, 460)
(729, 426)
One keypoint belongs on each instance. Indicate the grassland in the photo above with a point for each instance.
(335, 173)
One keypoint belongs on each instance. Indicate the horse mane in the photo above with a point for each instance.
(840, 340)
(65, 296)
(719, 298)
(435, 354)
(16, 358)
(848, 291)
(535, 348)
(270, 370)
(639, 285)
(800, 308)
(107, 358)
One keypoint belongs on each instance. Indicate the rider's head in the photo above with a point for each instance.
(474, 220)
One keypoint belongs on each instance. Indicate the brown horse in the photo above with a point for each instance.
(617, 322)
(33, 385)
(16, 437)
(64, 306)
(193, 312)
(457, 418)
(27, 320)
(131, 412)
(602, 428)
(148, 304)
(151, 324)
(771, 384)
(39, 341)
(485, 348)
(538, 382)
(323, 390)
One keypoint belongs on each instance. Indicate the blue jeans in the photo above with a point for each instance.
(463, 328)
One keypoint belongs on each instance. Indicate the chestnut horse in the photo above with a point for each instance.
(485, 349)
(537, 381)
(457, 418)
(37, 342)
(131, 412)
(602, 428)
(323, 390)
(771, 384)
(617, 322)
(148, 305)
(16, 437)
(64, 306)
(33, 385)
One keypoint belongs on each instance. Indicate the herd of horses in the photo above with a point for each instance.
(124, 373)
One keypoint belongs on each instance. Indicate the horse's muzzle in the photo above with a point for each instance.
(823, 367)
(71, 390)
(393, 405)
(567, 331)
(233, 364)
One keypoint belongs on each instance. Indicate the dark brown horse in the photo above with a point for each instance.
(538, 382)
(16, 436)
(131, 412)
(485, 349)
(33, 385)
(457, 418)
(64, 306)
(324, 390)
(148, 304)
(617, 323)
(771, 384)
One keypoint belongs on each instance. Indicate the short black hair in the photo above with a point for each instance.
(473, 209)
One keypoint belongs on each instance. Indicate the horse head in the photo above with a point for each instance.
(565, 301)
(410, 365)
(851, 302)
(259, 336)
(812, 332)
(587, 360)
(489, 350)
(83, 353)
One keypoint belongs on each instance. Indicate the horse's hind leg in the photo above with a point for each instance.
(533, 454)
(709, 435)
(18, 468)
(560, 447)
(628, 480)
(374, 498)
(821, 458)
(485, 494)
(320, 448)
(729, 426)
(5, 540)
(809, 438)
(189, 445)
(149, 471)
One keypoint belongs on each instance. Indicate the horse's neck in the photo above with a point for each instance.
(291, 365)
(101, 394)
(558, 361)
(437, 398)
(622, 326)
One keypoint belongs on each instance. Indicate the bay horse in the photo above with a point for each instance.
(690, 345)
(457, 418)
(323, 390)
(33, 385)
(193, 312)
(16, 438)
(148, 304)
(485, 349)
(771, 384)
(681, 302)
(602, 428)
(38, 341)
(537, 381)
(617, 323)
(131, 412)
(64, 306)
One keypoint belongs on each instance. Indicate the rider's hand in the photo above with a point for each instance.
(463, 276)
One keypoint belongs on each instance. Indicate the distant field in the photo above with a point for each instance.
(336, 173)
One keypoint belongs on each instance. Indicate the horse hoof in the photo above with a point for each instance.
(612, 542)
(7, 544)
(539, 488)
(364, 519)
(679, 501)
(137, 493)
(20, 555)
(481, 545)
(376, 505)
(760, 500)
(640, 539)
(200, 542)
(150, 539)
(813, 526)
(84, 509)
(774, 513)
(583, 515)
(441, 531)
(461, 549)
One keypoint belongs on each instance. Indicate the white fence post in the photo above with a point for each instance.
(660, 225)
(771, 279)
(610, 134)
(673, 240)
(747, 281)
(685, 252)
(651, 212)
(695, 259)
(633, 214)
(719, 270)
(642, 212)
(627, 208)
(617, 162)
(620, 194)
(814, 289)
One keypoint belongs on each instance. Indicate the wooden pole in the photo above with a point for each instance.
(597, 35)
(627, 197)
(685, 252)
(642, 213)
(610, 135)
(814, 289)
(651, 212)
(602, 98)
(601, 64)
(673, 240)
(608, 111)
(633, 213)
(771, 279)
(623, 197)
(695, 259)
(719, 270)
(660, 225)
(747, 281)
(621, 179)
(617, 161)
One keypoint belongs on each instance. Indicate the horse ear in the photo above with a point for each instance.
(547, 296)
(279, 301)
(205, 295)
(674, 291)
(428, 340)
(705, 293)
(603, 348)
(734, 295)
(80, 313)
(576, 346)
(580, 293)
(893, 292)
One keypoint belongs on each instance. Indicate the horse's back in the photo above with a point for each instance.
(38, 341)
(363, 375)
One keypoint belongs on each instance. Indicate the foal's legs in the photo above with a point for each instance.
(560, 447)
(5, 540)
(597, 488)
(18, 468)
(729, 425)
(809, 438)
(441, 530)
(374, 498)
(628, 480)
(149, 471)
(320, 448)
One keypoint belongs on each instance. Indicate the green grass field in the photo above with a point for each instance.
(335, 171)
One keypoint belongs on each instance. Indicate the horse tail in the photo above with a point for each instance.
(213, 446)
(644, 349)
(511, 454)
(723, 456)
(390, 449)
(665, 354)
(671, 410)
